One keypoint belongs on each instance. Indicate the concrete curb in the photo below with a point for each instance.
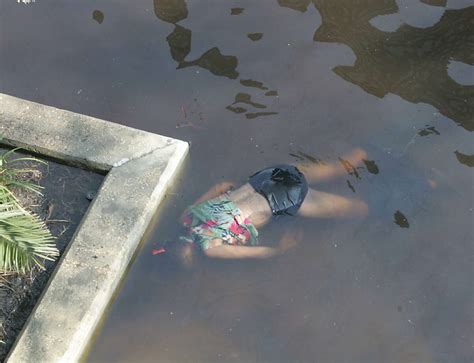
(140, 166)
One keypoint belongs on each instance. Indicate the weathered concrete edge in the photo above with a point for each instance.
(70, 341)
(72, 137)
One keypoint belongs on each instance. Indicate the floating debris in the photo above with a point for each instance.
(90, 195)
(157, 251)
(255, 36)
(401, 220)
(236, 11)
(98, 16)
(372, 168)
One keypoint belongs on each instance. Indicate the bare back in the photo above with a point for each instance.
(251, 204)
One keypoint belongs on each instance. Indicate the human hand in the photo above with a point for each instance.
(225, 186)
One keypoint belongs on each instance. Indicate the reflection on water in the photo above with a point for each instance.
(215, 62)
(255, 36)
(246, 98)
(271, 93)
(236, 109)
(428, 130)
(401, 220)
(299, 5)
(173, 11)
(98, 16)
(252, 83)
(180, 43)
(435, 2)
(236, 11)
(410, 62)
(252, 115)
(371, 166)
(467, 160)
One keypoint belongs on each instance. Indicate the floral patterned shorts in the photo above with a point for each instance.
(218, 219)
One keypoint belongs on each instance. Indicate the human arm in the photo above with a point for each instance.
(215, 191)
(241, 252)
(288, 241)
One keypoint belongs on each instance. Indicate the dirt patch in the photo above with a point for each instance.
(66, 197)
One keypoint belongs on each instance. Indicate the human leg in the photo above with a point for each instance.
(322, 172)
(326, 205)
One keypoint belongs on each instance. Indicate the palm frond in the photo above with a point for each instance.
(24, 239)
(12, 176)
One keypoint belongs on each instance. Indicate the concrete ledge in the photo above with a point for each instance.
(140, 166)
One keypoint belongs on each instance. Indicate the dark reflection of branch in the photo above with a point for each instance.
(252, 83)
(410, 62)
(371, 166)
(171, 11)
(435, 2)
(255, 36)
(246, 98)
(236, 109)
(428, 130)
(253, 115)
(216, 63)
(467, 160)
(236, 11)
(298, 5)
(180, 43)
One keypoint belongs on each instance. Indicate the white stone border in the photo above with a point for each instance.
(140, 166)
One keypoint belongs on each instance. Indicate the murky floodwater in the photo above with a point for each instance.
(256, 83)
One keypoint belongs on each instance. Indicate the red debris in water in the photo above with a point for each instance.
(157, 251)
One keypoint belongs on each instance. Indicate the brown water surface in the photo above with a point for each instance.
(323, 77)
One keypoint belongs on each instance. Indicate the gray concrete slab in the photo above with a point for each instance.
(140, 166)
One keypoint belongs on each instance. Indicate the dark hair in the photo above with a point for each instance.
(185, 253)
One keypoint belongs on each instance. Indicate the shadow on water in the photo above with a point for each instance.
(410, 62)
(173, 11)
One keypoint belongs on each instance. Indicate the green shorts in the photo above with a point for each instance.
(217, 219)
